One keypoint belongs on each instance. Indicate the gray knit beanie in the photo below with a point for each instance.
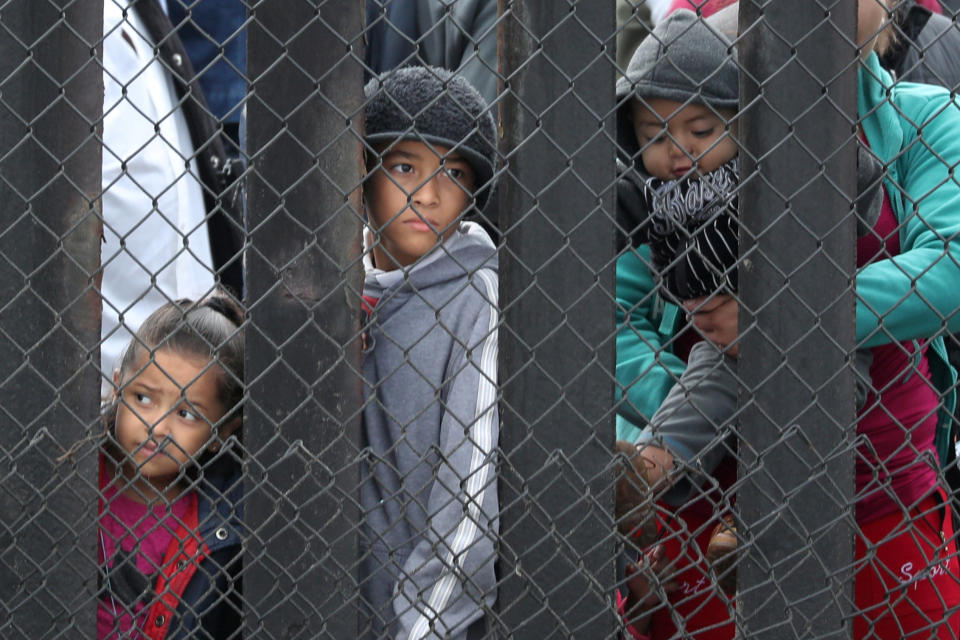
(430, 104)
(684, 60)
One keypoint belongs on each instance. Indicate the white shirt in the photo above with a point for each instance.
(154, 217)
(657, 9)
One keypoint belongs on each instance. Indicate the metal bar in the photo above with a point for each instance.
(797, 131)
(52, 87)
(950, 7)
(557, 357)
(304, 279)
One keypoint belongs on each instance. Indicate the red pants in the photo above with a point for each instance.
(696, 609)
(907, 578)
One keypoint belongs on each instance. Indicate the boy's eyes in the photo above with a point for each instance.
(404, 168)
(401, 167)
(142, 399)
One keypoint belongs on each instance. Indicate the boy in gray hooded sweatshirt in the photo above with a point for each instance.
(430, 418)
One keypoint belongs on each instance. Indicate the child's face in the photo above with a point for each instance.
(675, 139)
(165, 417)
(414, 200)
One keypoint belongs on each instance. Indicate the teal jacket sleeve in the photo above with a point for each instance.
(646, 369)
(916, 294)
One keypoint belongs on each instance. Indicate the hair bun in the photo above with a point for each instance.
(225, 307)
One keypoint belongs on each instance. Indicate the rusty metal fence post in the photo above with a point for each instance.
(303, 349)
(557, 354)
(798, 135)
(52, 97)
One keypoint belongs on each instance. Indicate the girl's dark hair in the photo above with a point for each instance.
(208, 329)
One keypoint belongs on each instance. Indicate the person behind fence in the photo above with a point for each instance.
(430, 421)
(171, 226)
(906, 574)
(677, 204)
(679, 198)
(170, 484)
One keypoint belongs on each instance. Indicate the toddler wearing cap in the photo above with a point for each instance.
(677, 199)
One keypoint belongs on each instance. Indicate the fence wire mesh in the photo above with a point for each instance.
(478, 319)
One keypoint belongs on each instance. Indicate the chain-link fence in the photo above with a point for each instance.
(558, 334)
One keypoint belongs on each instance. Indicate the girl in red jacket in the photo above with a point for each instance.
(169, 538)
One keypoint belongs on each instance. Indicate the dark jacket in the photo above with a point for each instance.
(210, 603)
(217, 177)
(199, 587)
(213, 33)
(927, 49)
(459, 36)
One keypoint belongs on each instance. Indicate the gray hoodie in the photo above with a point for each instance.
(430, 423)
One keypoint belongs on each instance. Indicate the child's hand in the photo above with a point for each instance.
(717, 318)
(643, 578)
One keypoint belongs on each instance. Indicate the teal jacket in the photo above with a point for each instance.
(912, 296)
